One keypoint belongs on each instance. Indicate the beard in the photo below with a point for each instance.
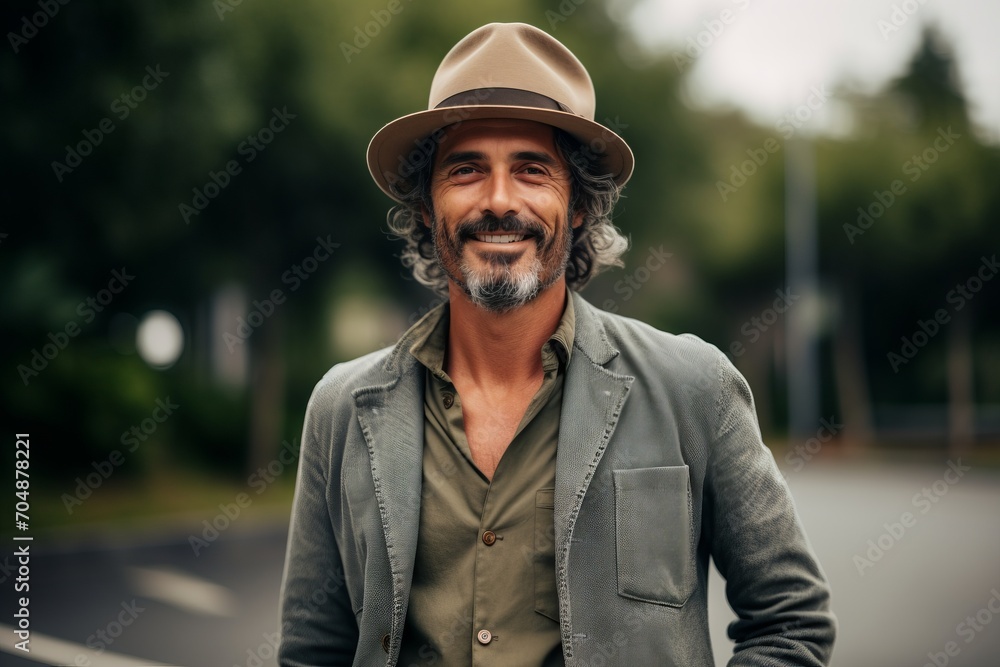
(507, 281)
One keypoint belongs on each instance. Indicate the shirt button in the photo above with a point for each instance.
(385, 643)
(489, 539)
(484, 637)
(449, 400)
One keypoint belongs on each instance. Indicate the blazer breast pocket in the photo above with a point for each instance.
(654, 535)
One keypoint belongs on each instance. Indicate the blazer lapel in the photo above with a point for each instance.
(392, 419)
(593, 398)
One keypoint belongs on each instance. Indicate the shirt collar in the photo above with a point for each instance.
(430, 336)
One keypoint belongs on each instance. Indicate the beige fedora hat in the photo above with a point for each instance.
(501, 70)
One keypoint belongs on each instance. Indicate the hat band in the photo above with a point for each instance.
(505, 97)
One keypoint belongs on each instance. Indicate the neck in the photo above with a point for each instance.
(501, 348)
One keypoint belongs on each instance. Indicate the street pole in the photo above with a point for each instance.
(801, 267)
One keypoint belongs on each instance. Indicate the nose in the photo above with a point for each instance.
(500, 197)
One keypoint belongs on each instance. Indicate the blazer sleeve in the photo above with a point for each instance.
(773, 580)
(318, 626)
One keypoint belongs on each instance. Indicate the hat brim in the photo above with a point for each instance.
(399, 146)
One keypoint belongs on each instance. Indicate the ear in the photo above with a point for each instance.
(578, 217)
(426, 215)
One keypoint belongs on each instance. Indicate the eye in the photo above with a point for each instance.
(534, 170)
(463, 170)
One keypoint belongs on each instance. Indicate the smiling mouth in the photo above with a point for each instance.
(500, 238)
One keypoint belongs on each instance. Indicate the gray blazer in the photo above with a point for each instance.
(660, 465)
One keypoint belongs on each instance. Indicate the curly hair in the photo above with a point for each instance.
(597, 242)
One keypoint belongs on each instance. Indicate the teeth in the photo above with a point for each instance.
(500, 238)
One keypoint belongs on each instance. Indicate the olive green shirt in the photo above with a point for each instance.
(484, 587)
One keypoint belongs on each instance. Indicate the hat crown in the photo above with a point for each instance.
(503, 70)
(515, 56)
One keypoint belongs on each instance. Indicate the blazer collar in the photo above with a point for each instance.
(591, 336)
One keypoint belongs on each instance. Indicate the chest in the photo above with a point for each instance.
(491, 423)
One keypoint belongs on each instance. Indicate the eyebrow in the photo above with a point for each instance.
(535, 156)
(461, 156)
(475, 156)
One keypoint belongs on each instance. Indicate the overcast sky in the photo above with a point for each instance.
(768, 54)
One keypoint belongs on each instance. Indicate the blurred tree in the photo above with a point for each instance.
(200, 146)
(906, 213)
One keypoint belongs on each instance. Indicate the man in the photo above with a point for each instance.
(524, 479)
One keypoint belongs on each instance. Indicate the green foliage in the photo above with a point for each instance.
(231, 68)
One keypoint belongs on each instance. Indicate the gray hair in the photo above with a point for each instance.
(597, 243)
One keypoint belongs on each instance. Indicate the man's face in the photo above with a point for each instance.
(501, 227)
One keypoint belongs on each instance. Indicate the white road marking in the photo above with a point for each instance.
(184, 591)
(52, 651)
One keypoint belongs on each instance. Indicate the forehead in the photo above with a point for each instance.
(502, 135)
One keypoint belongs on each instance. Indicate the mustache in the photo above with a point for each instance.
(511, 224)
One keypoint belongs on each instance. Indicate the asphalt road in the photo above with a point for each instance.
(156, 601)
(919, 594)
